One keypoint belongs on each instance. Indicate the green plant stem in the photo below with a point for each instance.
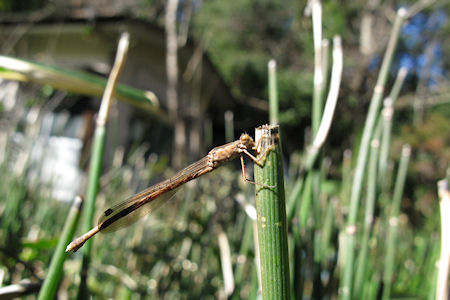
(97, 157)
(53, 277)
(89, 209)
(273, 92)
(292, 203)
(321, 133)
(345, 290)
(93, 183)
(318, 91)
(393, 221)
(271, 215)
(398, 83)
(325, 60)
(346, 180)
(360, 277)
(244, 250)
(386, 119)
(316, 195)
(306, 202)
(372, 287)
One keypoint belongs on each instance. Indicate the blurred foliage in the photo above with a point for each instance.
(432, 137)
(30, 219)
(243, 39)
(20, 5)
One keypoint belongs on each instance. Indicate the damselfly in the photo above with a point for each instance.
(148, 200)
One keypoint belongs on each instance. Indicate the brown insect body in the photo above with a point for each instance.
(141, 204)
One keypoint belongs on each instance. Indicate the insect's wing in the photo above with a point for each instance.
(130, 211)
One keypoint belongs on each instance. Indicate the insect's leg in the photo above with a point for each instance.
(244, 177)
(243, 169)
(251, 156)
(259, 161)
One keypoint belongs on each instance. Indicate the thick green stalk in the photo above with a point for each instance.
(273, 92)
(345, 290)
(271, 215)
(53, 277)
(393, 221)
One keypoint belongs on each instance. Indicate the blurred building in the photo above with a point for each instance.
(83, 35)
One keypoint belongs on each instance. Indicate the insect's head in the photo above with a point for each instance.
(247, 141)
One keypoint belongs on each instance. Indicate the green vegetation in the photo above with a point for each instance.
(334, 222)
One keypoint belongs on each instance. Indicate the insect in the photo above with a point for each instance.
(148, 200)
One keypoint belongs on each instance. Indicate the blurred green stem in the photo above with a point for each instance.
(327, 230)
(386, 119)
(305, 202)
(53, 277)
(361, 273)
(317, 107)
(326, 119)
(393, 222)
(346, 180)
